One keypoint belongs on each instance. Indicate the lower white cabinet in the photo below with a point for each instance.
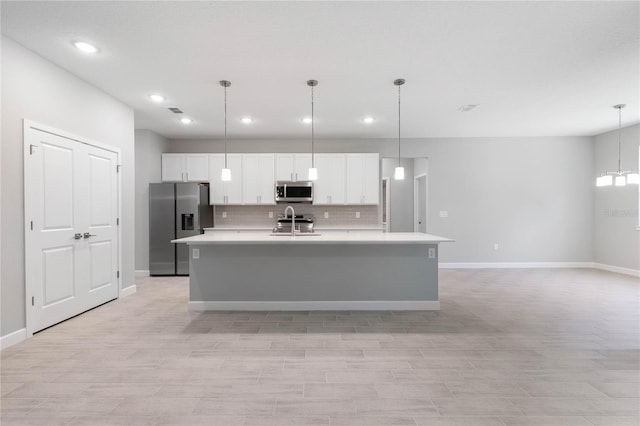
(363, 179)
(229, 192)
(258, 179)
(330, 186)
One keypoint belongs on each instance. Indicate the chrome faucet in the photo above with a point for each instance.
(293, 219)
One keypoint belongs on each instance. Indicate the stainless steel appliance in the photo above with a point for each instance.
(294, 192)
(176, 210)
(303, 224)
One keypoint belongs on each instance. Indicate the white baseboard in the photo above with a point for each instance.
(514, 265)
(13, 338)
(128, 291)
(141, 273)
(524, 265)
(321, 305)
(617, 269)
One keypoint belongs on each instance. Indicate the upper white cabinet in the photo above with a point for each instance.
(229, 192)
(292, 166)
(330, 186)
(342, 178)
(185, 167)
(258, 178)
(363, 178)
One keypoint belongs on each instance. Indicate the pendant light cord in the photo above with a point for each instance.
(619, 132)
(398, 125)
(225, 127)
(312, 131)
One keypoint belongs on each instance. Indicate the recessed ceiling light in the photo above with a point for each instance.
(368, 119)
(85, 47)
(467, 107)
(307, 120)
(157, 98)
(246, 120)
(186, 120)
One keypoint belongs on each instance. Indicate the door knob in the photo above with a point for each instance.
(77, 236)
(87, 235)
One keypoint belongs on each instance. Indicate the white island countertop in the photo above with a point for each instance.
(334, 237)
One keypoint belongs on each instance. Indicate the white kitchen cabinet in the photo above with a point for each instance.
(330, 186)
(221, 192)
(363, 178)
(185, 167)
(258, 178)
(292, 167)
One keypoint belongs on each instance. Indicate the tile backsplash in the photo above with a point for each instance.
(258, 216)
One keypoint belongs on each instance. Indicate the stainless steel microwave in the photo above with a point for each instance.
(294, 192)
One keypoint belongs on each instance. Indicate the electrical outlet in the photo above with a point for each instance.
(196, 253)
(224, 215)
(357, 215)
(270, 215)
(444, 213)
(432, 253)
(496, 247)
(326, 215)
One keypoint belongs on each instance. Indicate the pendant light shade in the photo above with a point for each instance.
(398, 174)
(633, 179)
(313, 172)
(399, 171)
(619, 177)
(226, 172)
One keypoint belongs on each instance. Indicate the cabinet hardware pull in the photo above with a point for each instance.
(88, 235)
(77, 236)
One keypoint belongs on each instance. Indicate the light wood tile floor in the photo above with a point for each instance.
(508, 347)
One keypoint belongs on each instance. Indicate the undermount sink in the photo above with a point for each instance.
(298, 234)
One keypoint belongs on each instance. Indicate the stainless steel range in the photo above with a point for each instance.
(303, 224)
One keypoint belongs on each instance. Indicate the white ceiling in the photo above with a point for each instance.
(535, 68)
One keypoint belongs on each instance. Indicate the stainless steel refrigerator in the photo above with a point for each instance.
(176, 210)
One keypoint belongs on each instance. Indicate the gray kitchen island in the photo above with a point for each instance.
(332, 271)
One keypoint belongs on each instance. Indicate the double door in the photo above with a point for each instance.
(71, 206)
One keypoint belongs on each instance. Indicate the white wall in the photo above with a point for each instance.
(532, 196)
(615, 209)
(34, 88)
(149, 149)
(400, 194)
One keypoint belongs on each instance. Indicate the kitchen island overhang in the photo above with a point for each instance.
(334, 271)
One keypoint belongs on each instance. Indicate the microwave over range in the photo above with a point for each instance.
(294, 192)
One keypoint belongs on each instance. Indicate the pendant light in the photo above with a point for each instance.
(226, 172)
(622, 177)
(313, 172)
(399, 171)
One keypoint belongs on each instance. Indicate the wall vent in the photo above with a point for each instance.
(175, 110)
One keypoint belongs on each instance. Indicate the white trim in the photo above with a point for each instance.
(514, 265)
(13, 338)
(29, 124)
(416, 198)
(524, 265)
(141, 273)
(128, 291)
(617, 269)
(386, 182)
(320, 305)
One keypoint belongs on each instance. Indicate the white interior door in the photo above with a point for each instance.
(71, 209)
